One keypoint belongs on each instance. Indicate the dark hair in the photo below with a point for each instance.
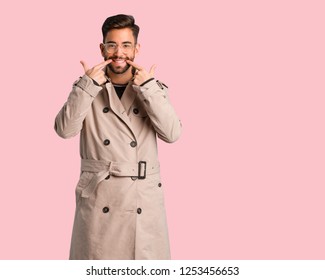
(118, 22)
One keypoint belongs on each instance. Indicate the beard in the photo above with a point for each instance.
(117, 69)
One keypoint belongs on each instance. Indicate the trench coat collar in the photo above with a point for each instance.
(121, 107)
(128, 96)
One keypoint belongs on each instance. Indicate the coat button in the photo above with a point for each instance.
(139, 210)
(105, 110)
(106, 142)
(136, 111)
(134, 178)
(105, 210)
(133, 144)
(107, 177)
(159, 185)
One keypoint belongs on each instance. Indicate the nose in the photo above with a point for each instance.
(119, 50)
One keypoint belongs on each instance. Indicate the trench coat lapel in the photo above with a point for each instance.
(121, 107)
(128, 97)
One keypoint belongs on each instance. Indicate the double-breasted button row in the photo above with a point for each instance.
(106, 141)
(133, 144)
(106, 210)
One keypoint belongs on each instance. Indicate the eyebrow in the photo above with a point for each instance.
(125, 42)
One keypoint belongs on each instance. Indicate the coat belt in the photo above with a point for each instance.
(102, 169)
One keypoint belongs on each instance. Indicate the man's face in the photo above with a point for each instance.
(119, 46)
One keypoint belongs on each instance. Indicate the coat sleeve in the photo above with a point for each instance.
(69, 120)
(163, 117)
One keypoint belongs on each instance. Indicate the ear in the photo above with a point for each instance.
(137, 48)
(102, 49)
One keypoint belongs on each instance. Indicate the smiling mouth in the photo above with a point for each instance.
(119, 60)
(118, 64)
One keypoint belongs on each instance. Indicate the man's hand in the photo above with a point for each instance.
(141, 75)
(97, 73)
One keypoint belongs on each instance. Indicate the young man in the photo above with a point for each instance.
(119, 108)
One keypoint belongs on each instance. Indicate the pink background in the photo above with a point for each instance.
(246, 179)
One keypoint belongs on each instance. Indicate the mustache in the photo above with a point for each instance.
(118, 57)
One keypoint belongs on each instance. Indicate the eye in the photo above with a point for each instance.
(126, 46)
(110, 46)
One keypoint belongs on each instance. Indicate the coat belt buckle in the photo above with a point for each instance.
(142, 168)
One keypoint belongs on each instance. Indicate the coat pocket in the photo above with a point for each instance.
(83, 182)
(154, 188)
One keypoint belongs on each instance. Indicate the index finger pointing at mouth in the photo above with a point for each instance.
(104, 63)
(134, 65)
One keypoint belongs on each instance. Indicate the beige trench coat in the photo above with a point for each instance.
(120, 211)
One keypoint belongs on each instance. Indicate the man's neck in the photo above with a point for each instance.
(120, 79)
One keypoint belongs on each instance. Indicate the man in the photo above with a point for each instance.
(119, 108)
